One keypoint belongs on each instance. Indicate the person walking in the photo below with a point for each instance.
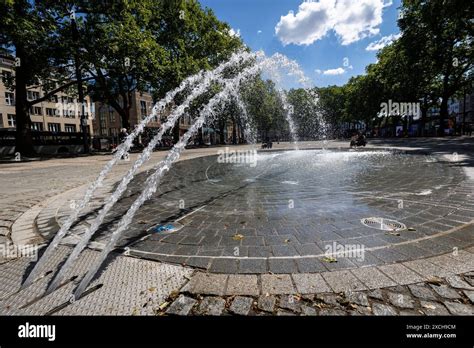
(122, 136)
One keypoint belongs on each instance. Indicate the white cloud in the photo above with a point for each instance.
(259, 32)
(337, 71)
(232, 32)
(379, 44)
(318, 71)
(351, 20)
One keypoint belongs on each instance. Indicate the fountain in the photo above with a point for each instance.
(203, 81)
(124, 147)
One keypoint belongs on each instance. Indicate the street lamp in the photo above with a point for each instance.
(83, 117)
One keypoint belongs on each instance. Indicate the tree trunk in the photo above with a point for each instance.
(23, 141)
(234, 131)
(464, 115)
(200, 136)
(405, 124)
(424, 113)
(221, 132)
(176, 133)
(124, 117)
(443, 115)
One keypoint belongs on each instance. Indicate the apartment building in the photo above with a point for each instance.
(60, 113)
(108, 123)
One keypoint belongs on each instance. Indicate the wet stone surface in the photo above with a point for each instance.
(284, 213)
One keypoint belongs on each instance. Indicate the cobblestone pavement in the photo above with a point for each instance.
(450, 296)
(276, 255)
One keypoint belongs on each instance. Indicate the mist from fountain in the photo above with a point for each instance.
(143, 158)
(124, 148)
(230, 88)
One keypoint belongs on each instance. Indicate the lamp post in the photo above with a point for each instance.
(80, 92)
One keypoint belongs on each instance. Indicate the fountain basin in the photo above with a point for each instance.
(285, 211)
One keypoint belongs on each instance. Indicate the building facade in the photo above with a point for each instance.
(60, 113)
(108, 123)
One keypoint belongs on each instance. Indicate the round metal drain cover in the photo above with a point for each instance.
(383, 224)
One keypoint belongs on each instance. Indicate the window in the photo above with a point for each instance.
(9, 98)
(11, 120)
(36, 126)
(114, 132)
(71, 128)
(111, 115)
(32, 95)
(36, 110)
(68, 113)
(54, 127)
(143, 108)
(51, 112)
(6, 75)
(53, 98)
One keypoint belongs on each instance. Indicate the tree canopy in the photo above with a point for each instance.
(122, 47)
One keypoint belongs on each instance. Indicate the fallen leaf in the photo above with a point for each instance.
(343, 301)
(174, 294)
(152, 289)
(435, 281)
(329, 259)
(142, 222)
(428, 306)
(238, 237)
(352, 306)
(287, 240)
(163, 305)
(411, 229)
(393, 233)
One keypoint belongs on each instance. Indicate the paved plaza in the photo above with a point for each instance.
(257, 238)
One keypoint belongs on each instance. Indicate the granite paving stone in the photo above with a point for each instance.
(241, 305)
(266, 303)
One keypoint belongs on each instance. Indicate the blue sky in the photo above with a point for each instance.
(319, 35)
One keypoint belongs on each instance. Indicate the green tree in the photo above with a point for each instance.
(443, 33)
(29, 31)
(331, 104)
(119, 51)
(405, 78)
(265, 107)
(364, 94)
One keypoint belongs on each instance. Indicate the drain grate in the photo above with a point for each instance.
(383, 224)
